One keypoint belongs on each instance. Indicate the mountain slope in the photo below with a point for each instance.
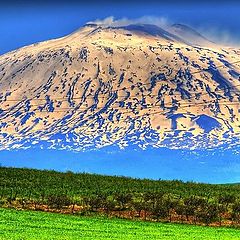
(104, 86)
(190, 34)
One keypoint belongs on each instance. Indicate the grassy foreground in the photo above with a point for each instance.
(15, 224)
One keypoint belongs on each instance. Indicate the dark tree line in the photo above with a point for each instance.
(120, 196)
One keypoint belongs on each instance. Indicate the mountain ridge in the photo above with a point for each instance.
(111, 86)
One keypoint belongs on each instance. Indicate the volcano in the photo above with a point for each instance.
(136, 85)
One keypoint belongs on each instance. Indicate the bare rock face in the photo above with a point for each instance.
(134, 85)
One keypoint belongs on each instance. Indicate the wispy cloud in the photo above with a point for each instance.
(213, 33)
(111, 21)
(219, 35)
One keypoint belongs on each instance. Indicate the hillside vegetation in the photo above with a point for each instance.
(84, 194)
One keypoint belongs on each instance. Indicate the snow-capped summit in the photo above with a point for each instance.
(136, 84)
(186, 32)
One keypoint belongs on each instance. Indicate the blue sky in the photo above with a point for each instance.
(23, 23)
(211, 166)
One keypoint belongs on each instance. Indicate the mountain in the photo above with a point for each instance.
(135, 85)
(192, 36)
(152, 30)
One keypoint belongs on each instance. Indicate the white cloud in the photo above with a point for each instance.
(212, 33)
(221, 36)
(110, 21)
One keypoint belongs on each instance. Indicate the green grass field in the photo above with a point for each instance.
(17, 224)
